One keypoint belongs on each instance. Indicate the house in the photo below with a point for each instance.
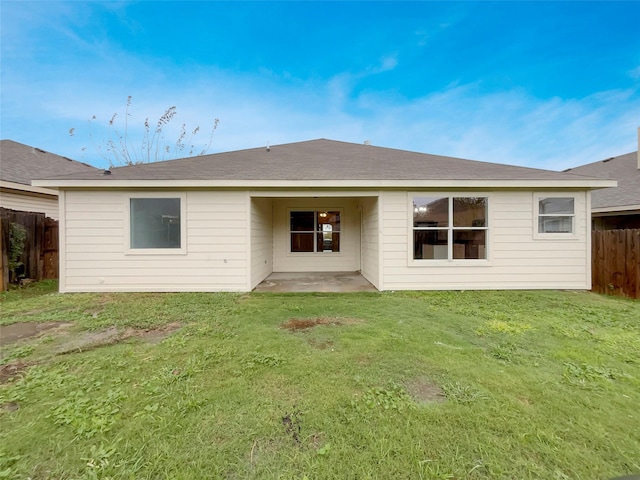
(615, 207)
(19, 164)
(405, 220)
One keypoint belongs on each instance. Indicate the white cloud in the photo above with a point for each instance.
(387, 63)
(506, 127)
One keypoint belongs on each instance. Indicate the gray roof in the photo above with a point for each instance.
(21, 163)
(623, 168)
(321, 159)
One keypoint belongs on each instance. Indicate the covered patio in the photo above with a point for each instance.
(279, 282)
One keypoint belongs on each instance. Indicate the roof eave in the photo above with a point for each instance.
(444, 183)
(27, 188)
(629, 209)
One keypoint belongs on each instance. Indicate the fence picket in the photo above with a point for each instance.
(616, 262)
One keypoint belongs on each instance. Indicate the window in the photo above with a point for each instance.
(315, 231)
(155, 223)
(556, 215)
(449, 228)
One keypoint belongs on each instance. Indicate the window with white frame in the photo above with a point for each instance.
(556, 215)
(155, 223)
(450, 228)
(314, 231)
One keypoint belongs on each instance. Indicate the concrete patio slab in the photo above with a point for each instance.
(315, 282)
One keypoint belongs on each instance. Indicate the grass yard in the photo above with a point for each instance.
(429, 385)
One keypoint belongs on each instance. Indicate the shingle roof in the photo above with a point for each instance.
(623, 168)
(321, 160)
(21, 163)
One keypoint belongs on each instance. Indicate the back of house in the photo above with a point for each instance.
(404, 220)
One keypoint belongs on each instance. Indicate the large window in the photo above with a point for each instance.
(556, 215)
(155, 223)
(315, 231)
(446, 228)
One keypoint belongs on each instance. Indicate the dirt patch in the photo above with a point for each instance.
(321, 344)
(423, 390)
(153, 335)
(524, 401)
(292, 423)
(365, 359)
(113, 335)
(297, 324)
(316, 440)
(12, 370)
(9, 407)
(16, 331)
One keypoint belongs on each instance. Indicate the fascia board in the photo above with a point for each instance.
(631, 209)
(251, 184)
(27, 188)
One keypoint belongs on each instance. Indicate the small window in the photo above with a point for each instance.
(315, 231)
(556, 215)
(155, 223)
(449, 228)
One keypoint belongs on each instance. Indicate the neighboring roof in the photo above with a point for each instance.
(624, 169)
(318, 163)
(21, 163)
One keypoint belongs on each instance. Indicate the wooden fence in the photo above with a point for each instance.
(39, 257)
(615, 262)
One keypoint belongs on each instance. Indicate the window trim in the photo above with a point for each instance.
(537, 235)
(315, 210)
(182, 196)
(449, 261)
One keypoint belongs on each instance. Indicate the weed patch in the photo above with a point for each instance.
(505, 351)
(463, 394)
(501, 326)
(391, 398)
(590, 376)
(87, 415)
(256, 359)
(21, 351)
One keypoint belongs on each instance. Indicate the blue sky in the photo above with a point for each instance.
(542, 84)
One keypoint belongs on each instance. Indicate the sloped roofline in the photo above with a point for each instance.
(626, 171)
(20, 163)
(323, 163)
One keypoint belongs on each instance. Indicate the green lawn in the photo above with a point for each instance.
(429, 385)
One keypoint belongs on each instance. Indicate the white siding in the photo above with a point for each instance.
(95, 258)
(261, 239)
(349, 257)
(370, 241)
(516, 260)
(233, 242)
(47, 204)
